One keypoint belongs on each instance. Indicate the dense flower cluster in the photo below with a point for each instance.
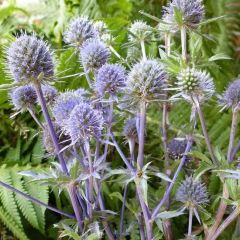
(192, 193)
(110, 79)
(193, 82)
(23, 97)
(50, 93)
(231, 97)
(145, 82)
(130, 129)
(176, 148)
(192, 12)
(64, 104)
(139, 30)
(93, 54)
(80, 29)
(84, 122)
(29, 60)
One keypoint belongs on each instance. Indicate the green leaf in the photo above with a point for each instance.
(170, 214)
(219, 56)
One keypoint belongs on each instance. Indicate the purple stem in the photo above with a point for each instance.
(34, 200)
(168, 191)
(50, 127)
(74, 200)
(142, 123)
(127, 163)
(55, 142)
(141, 227)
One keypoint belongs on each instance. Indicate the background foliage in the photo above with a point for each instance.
(21, 144)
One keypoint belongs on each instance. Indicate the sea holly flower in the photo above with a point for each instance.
(65, 103)
(195, 83)
(29, 60)
(100, 27)
(231, 97)
(110, 79)
(139, 31)
(84, 123)
(188, 13)
(176, 148)
(79, 30)
(130, 129)
(145, 82)
(23, 98)
(192, 193)
(93, 54)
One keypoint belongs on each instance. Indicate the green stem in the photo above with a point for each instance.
(190, 223)
(184, 43)
(143, 50)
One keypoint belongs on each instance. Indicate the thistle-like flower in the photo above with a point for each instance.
(192, 193)
(80, 29)
(231, 97)
(64, 104)
(176, 148)
(145, 83)
(50, 93)
(139, 31)
(192, 13)
(110, 79)
(130, 130)
(30, 60)
(93, 54)
(195, 83)
(23, 97)
(84, 123)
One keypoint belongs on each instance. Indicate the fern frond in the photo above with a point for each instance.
(12, 225)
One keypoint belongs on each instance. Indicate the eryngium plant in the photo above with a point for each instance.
(30, 60)
(191, 12)
(82, 129)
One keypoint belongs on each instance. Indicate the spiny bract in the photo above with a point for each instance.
(231, 97)
(30, 60)
(23, 97)
(64, 104)
(145, 82)
(93, 54)
(80, 29)
(193, 82)
(192, 193)
(110, 79)
(100, 27)
(192, 12)
(84, 123)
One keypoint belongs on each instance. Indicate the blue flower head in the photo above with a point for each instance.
(29, 60)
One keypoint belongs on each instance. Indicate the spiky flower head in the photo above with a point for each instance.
(130, 129)
(49, 93)
(193, 82)
(191, 11)
(176, 148)
(145, 82)
(139, 30)
(23, 97)
(79, 30)
(192, 193)
(231, 97)
(30, 60)
(93, 54)
(100, 27)
(84, 123)
(64, 104)
(110, 79)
